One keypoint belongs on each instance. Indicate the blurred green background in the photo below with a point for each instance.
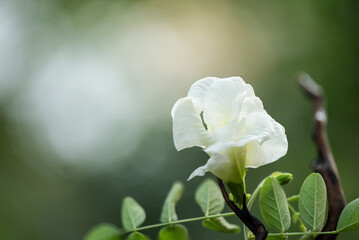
(86, 89)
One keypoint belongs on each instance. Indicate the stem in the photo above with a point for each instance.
(246, 217)
(250, 204)
(291, 208)
(183, 221)
(293, 198)
(255, 194)
(301, 233)
(226, 215)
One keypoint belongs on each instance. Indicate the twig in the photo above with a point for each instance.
(246, 217)
(324, 164)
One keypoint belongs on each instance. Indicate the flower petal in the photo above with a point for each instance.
(219, 147)
(260, 124)
(270, 150)
(252, 104)
(200, 171)
(219, 98)
(188, 129)
(198, 91)
(264, 139)
(220, 166)
(256, 126)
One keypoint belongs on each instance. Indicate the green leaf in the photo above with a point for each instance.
(137, 236)
(168, 210)
(349, 218)
(313, 202)
(220, 225)
(209, 197)
(132, 213)
(274, 205)
(103, 231)
(175, 232)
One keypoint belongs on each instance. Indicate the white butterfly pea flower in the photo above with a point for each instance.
(226, 119)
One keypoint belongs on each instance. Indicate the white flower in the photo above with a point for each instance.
(224, 117)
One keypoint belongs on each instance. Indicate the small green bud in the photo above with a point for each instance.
(251, 236)
(283, 178)
(295, 217)
(303, 228)
(248, 196)
(231, 197)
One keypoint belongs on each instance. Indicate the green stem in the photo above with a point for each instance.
(225, 215)
(183, 221)
(291, 208)
(255, 194)
(301, 233)
(293, 198)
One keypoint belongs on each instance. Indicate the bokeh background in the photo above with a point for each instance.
(86, 89)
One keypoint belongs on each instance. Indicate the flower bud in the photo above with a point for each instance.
(283, 178)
